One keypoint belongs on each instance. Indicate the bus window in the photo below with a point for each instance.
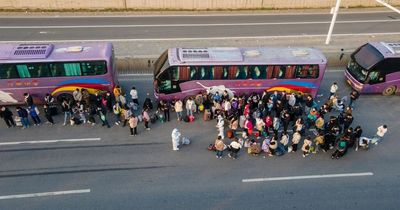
(242, 72)
(375, 77)
(206, 73)
(93, 68)
(301, 71)
(225, 72)
(258, 72)
(8, 71)
(218, 71)
(194, 73)
(57, 69)
(290, 70)
(313, 72)
(164, 82)
(72, 69)
(232, 72)
(270, 70)
(279, 72)
(23, 71)
(174, 73)
(184, 73)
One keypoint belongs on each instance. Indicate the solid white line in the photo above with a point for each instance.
(307, 177)
(32, 195)
(197, 38)
(191, 15)
(192, 25)
(48, 141)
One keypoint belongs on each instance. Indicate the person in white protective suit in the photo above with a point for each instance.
(176, 135)
(220, 126)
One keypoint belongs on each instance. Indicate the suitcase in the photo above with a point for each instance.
(207, 115)
(191, 118)
(18, 122)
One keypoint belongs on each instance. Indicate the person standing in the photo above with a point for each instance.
(220, 126)
(23, 114)
(176, 135)
(66, 108)
(189, 107)
(353, 96)
(117, 113)
(34, 113)
(147, 102)
(381, 131)
(357, 135)
(134, 95)
(146, 118)
(333, 90)
(77, 94)
(165, 107)
(117, 91)
(178, 109)
(47, 114)
(102, 112)
(219, 146)
(306, 148)
(28, 99)
(295, 141)
(235, 148)
(7, 115)
(133, 121)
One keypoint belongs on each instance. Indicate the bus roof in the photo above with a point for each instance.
(244, 56)
(387, 49)
(18, 53)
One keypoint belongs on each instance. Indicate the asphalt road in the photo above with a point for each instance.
(142, 172)
(191, 26)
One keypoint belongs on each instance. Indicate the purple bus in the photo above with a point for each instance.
(57, 69)
(184, 72)
(375, 68)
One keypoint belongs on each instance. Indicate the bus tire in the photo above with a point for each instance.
(62, 96)
(390, 90)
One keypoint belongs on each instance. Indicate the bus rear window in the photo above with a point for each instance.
(368, 56)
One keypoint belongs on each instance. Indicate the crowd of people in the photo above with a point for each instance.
(277, 123)
(270, 124)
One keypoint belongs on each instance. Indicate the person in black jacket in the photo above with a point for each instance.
(7, 115)
(28, 99)
(353, 96)
(23, 114)
(48, 114)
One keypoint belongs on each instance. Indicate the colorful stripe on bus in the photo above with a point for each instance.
(92, 85)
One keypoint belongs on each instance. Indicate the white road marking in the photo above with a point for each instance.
(197, 38)
(48, 141)
(268, 13)
(194, 25)
(307, 177)
(33, 195)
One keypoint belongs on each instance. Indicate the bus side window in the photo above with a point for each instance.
(184, 73)
(232, 72)
(23, 71)
(164, 82)
(43, 70)
(242, 72)
(279, 72)
(175, 73)
(194, 73)
(375, 77)
(72, 69)
(218, 72)
(93, 68)
(57, 70)
(225, 72)
(258, 72)
(301, 71)
(270, 70)
(206, 73)
(290, 70)
(313, 72)
(8, 71)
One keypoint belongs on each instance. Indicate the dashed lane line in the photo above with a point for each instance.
(33, 195)
(48, 141)
(307, 177)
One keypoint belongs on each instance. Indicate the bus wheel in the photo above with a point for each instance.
(68, 97)
(389, 90)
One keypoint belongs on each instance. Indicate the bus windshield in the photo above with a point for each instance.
(367, 56)
(161, 62)
(358, 72)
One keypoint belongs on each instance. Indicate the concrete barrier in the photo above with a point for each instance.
(180, 4)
